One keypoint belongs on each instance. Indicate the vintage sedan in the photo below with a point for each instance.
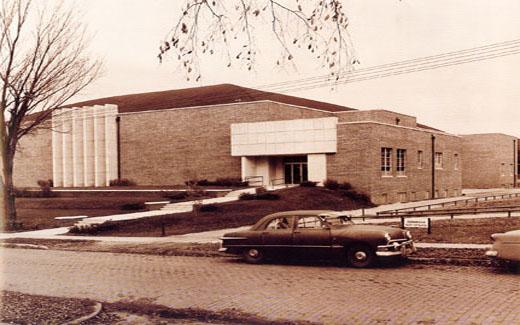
(318, 234)
(506, 246)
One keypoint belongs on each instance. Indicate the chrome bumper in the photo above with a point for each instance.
(396, 249)
(222, 249)
(491, 253)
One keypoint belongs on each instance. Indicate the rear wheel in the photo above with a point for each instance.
(360, 256)
(253, 255)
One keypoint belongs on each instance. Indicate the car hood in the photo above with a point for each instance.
(510, 236)
(395, 233)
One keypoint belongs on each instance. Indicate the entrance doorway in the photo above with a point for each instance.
(295, 169)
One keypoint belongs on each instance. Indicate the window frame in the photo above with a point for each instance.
(386, 161)
(400, 165)
(439, 163)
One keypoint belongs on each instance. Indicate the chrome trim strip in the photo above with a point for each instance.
(388, 253)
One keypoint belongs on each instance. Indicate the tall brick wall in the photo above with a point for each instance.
(378, 115)
(33, 160)
(171, 146)
(488, 160)
(358, 161)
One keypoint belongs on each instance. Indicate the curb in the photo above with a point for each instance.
(29, 246)
(97, 309)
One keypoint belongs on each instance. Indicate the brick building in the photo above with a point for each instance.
(166, 138)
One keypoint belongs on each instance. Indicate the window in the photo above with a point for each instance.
(309, 223)
(420, 159)
(279, 223)
(386, 161)
(401, 161)
(456, 161)
(439, 164)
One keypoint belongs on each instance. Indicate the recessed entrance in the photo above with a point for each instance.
(295, 169)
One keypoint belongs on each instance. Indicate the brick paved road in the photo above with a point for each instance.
(327, 294)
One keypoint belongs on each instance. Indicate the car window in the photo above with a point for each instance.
(311, 222)
(279, 223)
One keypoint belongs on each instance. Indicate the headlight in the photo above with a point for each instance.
(387, 236)
(408, 234)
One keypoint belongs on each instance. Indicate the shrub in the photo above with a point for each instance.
(175, 195)
(308, 184)
(133, 206)
(331, 184)
(208, 208)
(230, 182)
(93, 228)
(121, 182)
(267, 196)
(260, 190)
(345, 186)
(247, 196)
(356, 196)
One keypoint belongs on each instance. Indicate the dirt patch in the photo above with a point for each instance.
(18, 308)
(233, 214)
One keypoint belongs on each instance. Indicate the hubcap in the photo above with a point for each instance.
(360, 256)
(253, 253)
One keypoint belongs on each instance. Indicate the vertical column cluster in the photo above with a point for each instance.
(84, 146)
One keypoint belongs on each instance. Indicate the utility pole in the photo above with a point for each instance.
(433, 167)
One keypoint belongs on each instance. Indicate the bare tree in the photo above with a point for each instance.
(43, 63)
(207, 27)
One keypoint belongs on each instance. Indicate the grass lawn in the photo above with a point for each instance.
(39, 213)
(466, 231)
(233, 214)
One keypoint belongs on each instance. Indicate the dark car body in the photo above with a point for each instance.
(317, 234)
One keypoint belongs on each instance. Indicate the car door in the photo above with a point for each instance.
(312, 237)
(277, 236)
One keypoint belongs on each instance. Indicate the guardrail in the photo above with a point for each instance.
(454, 202)
(278, 181)
(254, 180)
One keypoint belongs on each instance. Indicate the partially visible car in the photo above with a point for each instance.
(506, 247)
(318, 234)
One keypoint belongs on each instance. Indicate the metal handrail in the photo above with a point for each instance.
(275, 180)
(250, 179)
(454, 202)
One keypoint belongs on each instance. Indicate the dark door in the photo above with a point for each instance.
(312, 238)
(277, 236)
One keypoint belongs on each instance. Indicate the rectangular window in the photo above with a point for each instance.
(401, 161)
(456, 161)
(420, 159)
(439, 164)
(386, 161)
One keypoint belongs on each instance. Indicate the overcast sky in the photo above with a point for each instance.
(476, 97)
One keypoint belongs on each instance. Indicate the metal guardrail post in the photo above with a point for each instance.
(402, 222)
(429, 226)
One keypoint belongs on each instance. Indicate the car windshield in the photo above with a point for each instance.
(337, 219)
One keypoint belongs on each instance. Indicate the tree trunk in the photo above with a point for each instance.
(10, 204)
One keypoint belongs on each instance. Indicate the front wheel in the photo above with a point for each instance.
(253, 256)
(360, 256)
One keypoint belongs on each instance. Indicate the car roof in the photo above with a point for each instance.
(301, 213)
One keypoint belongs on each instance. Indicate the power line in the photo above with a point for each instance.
(476, 50)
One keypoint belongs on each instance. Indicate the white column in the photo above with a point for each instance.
(88, 146)
(317, 167)
(111, 163)
(99, 146)
(247, 167)
(57, 149)
(67, 148)
(77, 147)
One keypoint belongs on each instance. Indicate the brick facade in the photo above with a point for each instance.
(358, 161)
(172, 146)
(488, 160)
(33, 160)
(162, 147)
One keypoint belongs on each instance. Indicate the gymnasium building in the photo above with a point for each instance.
(226, 131)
